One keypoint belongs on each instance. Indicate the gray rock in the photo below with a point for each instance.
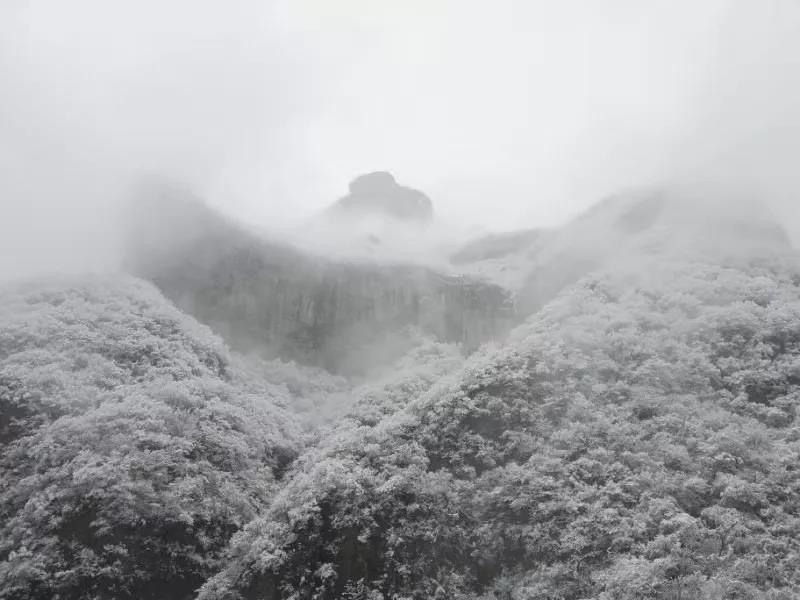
(268, 298)
(379, 193)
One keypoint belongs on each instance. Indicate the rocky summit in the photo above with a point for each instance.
(378, 193)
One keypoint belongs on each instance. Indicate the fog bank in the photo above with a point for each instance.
(508, 114)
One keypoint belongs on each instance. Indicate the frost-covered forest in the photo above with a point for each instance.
(635, 436)
(399, 300)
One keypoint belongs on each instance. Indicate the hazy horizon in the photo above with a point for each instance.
(508, 115)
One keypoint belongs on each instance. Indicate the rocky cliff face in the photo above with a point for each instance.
(271, 299)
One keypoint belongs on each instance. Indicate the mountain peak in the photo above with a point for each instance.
(378, 193)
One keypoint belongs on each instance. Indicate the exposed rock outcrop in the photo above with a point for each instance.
(275, 300)
(378, 193)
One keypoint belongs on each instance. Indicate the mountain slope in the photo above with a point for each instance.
(711, 222)
(129, 452)
(275, 300)
(637, 438)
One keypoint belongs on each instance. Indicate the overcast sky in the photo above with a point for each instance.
(507, 113)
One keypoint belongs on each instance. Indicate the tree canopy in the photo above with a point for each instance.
(637, 438)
